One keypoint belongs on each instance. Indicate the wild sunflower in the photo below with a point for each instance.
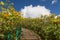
(6, 15)
(2, 3)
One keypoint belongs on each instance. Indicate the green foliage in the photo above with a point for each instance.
(47, 27)
(9, 20)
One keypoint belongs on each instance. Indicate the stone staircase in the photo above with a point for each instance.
(29, 35)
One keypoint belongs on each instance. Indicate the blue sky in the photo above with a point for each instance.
(53, 7)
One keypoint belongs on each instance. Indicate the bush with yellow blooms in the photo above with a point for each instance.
(9, 20)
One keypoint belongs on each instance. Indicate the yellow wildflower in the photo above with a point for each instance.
(2, 3)
(6, 15)
(17, 13)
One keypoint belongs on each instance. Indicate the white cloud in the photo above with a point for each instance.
(54, 1)
(36, 11)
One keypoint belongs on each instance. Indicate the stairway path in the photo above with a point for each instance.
(29, 35)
